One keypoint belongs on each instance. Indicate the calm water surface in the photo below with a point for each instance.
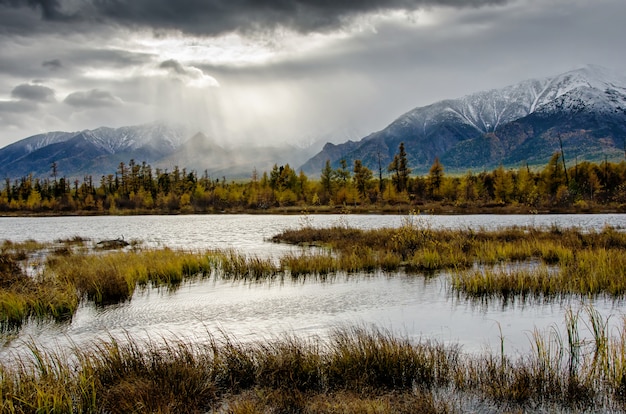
(409, 305)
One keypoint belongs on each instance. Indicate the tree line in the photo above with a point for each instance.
(138, 188)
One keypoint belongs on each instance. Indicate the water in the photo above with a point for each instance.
(408, 305)
(248, 233)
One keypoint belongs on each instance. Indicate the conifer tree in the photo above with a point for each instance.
(400, 169)
(362, 178)
(435, 178)
(327, 180)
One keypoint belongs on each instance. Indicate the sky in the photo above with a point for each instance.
(279, 71)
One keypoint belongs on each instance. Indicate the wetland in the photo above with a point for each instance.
(496, 310)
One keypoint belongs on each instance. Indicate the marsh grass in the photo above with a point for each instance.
(113, 277)
(354, 370)
(68, 276)
(26, 295)
(597, 271)
(482, 263)
(20, 250)
(235, 266)
(22, 297)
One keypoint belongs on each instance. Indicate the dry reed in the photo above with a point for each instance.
(355, 369)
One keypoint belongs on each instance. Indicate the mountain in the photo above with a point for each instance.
(99, 152)
(89, 152)
(585, 108)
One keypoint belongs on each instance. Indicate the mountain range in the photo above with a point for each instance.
(522, 124)
(517, 125)
(99, 152)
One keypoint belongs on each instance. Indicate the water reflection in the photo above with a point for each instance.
(409, 305)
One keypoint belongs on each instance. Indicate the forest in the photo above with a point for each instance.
(138, 188)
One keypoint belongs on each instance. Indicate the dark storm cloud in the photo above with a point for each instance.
(220, 16)
(107, 58)
(173, 65)
(49, 8)
(54, 64)
(94, 98)
(227, 15)
(69, 59)
(29, 92)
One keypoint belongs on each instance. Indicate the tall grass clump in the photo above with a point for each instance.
(20, 250)
(505, 281)
(112, 277)
(67, 277)
(485, 263)
(233, 265)
(135, 377)
(290, 364)
(22, 296)
(376, 360)
(100, 278)
(578, 370)
(13, 286)
(309, 264)
(597, 271)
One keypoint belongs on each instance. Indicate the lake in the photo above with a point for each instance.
(410, 305)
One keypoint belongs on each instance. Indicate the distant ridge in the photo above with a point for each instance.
(99, 152)
(511, 126)
(94, 152)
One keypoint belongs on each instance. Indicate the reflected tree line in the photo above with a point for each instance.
(139, 188)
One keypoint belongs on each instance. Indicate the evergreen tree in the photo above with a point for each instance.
(435, 179)
(468, 190)
(400, 169)
(503, 185)
(362, 178)
(327, 179)
(526, 188)
(343, 173)
(552, 176)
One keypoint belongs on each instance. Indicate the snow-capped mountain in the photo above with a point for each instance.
(155, 135)
(39, 141)
(592, 87)
(99, 152)
(485, 128)
(89, 151)
(111, 140)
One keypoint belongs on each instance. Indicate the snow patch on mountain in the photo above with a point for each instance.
(115, 140)
(165, 138)
(591, 87)
(43, 140)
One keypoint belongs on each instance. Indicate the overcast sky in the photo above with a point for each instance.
(278, 70)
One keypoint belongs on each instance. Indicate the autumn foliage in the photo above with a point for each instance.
(138, 188)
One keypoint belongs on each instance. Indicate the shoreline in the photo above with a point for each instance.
(432, 208)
